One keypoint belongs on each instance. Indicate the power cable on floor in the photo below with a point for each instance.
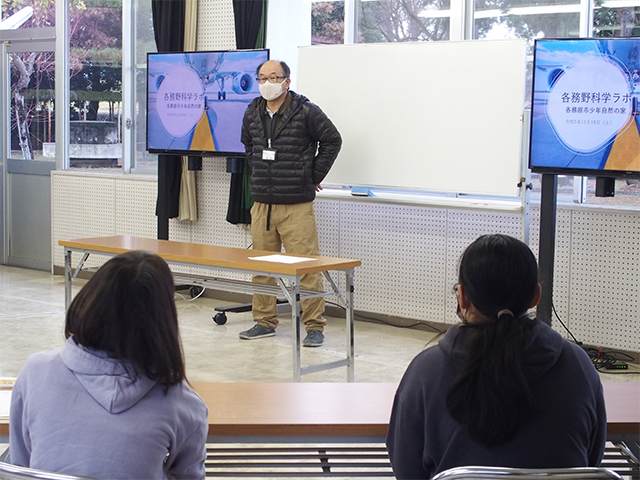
(384, 322)
(605, 361)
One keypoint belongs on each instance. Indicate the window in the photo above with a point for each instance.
(403, 21)
(32, 82)
(144, 43)
(527, 19)
(97, 50)
(327, 23)
(553, 19)
(95, 78)
(32, 106)
(617, 19)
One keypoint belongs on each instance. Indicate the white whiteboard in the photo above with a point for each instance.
(436, 116)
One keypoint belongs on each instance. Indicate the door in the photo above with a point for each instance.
(28, 148)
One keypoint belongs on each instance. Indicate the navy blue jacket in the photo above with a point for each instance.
(567, 430)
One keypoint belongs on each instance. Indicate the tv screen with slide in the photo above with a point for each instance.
(196, 100)
(584, 107)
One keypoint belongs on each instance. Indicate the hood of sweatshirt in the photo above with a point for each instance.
(104, 378)
(540, 353)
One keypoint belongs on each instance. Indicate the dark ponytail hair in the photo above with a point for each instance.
(127, 310)
(490, 395)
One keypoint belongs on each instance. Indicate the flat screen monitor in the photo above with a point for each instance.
(196, 100)
(584, 118)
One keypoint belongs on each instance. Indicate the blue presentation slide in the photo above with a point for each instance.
(585, 105)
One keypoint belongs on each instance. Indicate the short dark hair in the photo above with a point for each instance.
(127, 310)
(285, 68)
(490, 394)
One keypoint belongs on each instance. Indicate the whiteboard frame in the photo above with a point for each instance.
(390, 137)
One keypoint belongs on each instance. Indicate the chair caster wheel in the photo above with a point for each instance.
(220, 318)
(195, 291)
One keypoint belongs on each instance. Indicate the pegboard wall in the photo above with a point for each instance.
(409, 254)
(94, 205)
(604, 306)
(403, 258)
(596, 284)
(216, 28)
(561, 271)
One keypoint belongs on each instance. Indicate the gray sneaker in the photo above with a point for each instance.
(314, 338)
(257, 331)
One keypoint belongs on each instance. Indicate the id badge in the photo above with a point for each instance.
(268, 154)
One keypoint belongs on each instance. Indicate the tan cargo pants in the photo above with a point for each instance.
(293, 226)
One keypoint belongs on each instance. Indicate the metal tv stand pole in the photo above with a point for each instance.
(546, 249)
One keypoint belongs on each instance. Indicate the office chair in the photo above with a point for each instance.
(499, 473)
(13, 472)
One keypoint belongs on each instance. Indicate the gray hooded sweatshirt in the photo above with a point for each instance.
(568, 428)
(77, 411)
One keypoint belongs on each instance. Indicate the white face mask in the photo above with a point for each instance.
(271, 91)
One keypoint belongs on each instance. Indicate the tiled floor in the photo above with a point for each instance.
(32, 319)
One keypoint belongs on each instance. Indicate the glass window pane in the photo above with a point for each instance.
(27, 14)
(95, 132)
(626, 193)
(403, 21)
(327, 23)
(145, 43)
(527, 19)
(32, 106)
(614, 21)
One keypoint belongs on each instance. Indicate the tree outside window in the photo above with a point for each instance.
(383, 21)
(95, 74)
(32, 82)
(404, 20)
(327, 23)
(95, 45)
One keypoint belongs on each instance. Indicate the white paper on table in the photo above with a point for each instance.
(277, 258)
(5, 403)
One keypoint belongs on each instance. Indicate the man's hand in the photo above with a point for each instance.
(318, 187)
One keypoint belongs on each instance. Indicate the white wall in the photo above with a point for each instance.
(285, 31)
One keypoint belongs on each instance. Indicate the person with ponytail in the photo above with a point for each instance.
(501, 388)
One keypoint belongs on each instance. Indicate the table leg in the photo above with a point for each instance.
(350, 326)
(296, 314)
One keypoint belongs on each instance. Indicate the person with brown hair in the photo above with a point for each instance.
(114, 402)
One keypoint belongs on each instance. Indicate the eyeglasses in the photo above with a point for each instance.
(272, 79)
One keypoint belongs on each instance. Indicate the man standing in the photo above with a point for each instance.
(291, 145)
